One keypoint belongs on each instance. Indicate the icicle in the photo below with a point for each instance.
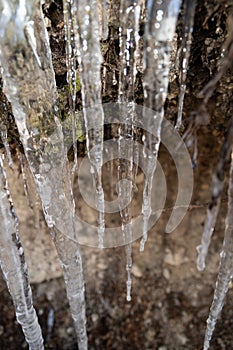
(14, 267)
(139, 18)
(226, 266)
(3, 133)
(71, 57)
(202, 249)
(125, 186)
(189, 11)
(129, 41)
(89, 56)
(129, 264)
(216, 187)
(50, 324)
(104, 76)
(71, 263)
(159, 31)
(29, 83)
(129, 37)
(137, 63)
(104, 19)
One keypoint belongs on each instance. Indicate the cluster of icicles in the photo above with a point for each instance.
(29, 84)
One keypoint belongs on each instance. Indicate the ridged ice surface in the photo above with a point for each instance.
(14, 267)
(71, 57)
(159, 31)
(29, 84)
(90, 59)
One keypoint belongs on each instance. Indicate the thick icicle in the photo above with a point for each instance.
(71, 263)
(159, 31)
(71, 57)
(29, 83)
(14, 267)
(129, 37)
(186, 41)
(90, 58)
(226, 266)
(216, 188)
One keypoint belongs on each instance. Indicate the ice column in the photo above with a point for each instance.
(159, 31)
(29, 84)
(14, 267)
(90, 59)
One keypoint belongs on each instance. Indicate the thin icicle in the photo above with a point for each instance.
(50, 324)
(226, 266)
(216, 188)
(159, 31)
(186, 41)
(14, 267)
(71, 57)
(138, 67)
(139, 18)
(129, 37)
(3, 134)
(125, 187)
(104, 19)
(210, 221)
(29, 83)
(90, 59)
(129, 265)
